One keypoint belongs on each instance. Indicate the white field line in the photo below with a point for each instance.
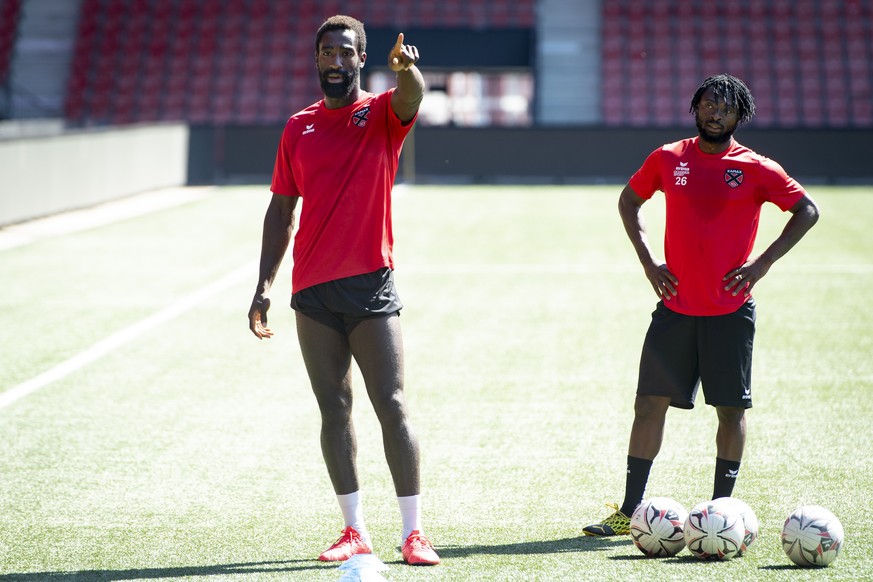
(128, 334)
(16, 235)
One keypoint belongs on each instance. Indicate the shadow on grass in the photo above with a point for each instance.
(688, 559)
(792, 567)
(577, 544)
(289, 566)
(685, 558)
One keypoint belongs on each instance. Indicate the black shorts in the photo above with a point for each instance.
(344, 303)
(681, 352)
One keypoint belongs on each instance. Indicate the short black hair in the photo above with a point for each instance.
(342, 22)
(733, 90)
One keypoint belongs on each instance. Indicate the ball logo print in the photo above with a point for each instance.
(657, 527)
(812, 536)
(750, 521)
(714, 531)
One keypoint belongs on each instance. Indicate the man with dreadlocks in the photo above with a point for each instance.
(703, 327)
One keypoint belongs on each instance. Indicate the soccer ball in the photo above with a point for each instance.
(750, 521)
(812, 536)
(657, 527)
(714, 530)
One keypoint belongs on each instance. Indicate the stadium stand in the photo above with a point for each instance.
(229, 61)
(808, 62)
(9, 13)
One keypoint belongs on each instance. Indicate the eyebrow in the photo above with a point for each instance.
(720, 99)
(330, 46)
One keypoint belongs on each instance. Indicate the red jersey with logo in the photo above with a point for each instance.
(342, 163)
(713, 206)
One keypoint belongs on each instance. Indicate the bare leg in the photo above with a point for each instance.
(731, 436)
(647, 433)
(377, 346)
(327, 356)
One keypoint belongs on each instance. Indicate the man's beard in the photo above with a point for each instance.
(339, 90)
(714, 139)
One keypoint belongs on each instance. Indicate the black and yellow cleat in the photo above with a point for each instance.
(617, 524)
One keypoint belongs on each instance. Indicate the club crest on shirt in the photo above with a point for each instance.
(733, 178)
(359, 118)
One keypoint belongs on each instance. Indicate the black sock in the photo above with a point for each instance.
(725, 477)
(635, 486)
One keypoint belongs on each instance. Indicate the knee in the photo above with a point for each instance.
(390, 408)
(731, 417)
(650, 407)
(335, 408)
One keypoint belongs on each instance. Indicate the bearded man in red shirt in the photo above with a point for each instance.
(703, 328)
(339, 156)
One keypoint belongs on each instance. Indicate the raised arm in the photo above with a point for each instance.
(410, 84)
(278, 229)
(630, 208)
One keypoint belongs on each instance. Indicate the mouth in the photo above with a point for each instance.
(334, 77)
(714, 126)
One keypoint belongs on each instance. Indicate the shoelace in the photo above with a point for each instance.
(418, 541)
(347, 536)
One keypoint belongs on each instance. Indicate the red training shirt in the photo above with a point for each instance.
(713, 208)
(342, 163)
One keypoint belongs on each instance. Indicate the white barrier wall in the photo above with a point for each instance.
(75, 169)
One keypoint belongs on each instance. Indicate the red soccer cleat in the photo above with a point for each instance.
(348, 544)
(418, 551)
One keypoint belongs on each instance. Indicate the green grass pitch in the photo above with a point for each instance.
(190, 452)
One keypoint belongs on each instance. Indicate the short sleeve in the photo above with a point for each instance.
(395, 126)
(647, 180)
(777, 186)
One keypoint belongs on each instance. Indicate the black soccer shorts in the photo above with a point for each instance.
(344, 303)
(682, 352)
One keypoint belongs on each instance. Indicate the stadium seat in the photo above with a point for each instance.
(795, 55)
(182, 46)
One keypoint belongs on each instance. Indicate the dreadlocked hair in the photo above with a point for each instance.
(732, 90)
(341, 22)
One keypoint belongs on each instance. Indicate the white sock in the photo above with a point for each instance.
(410, 514)
(353, 513)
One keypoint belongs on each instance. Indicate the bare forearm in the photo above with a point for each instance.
(803, 219)
(278, 229)
(410, 86)
(635, 227)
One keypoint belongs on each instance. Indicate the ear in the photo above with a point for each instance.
(363, 60)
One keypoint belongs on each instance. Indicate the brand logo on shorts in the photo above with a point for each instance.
(733, 178)
(360, 117)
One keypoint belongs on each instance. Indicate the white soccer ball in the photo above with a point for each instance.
(750, 522)
(812, 536)
(714, 530)
(657, 527)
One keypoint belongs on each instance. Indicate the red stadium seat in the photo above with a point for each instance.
(189, 53)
